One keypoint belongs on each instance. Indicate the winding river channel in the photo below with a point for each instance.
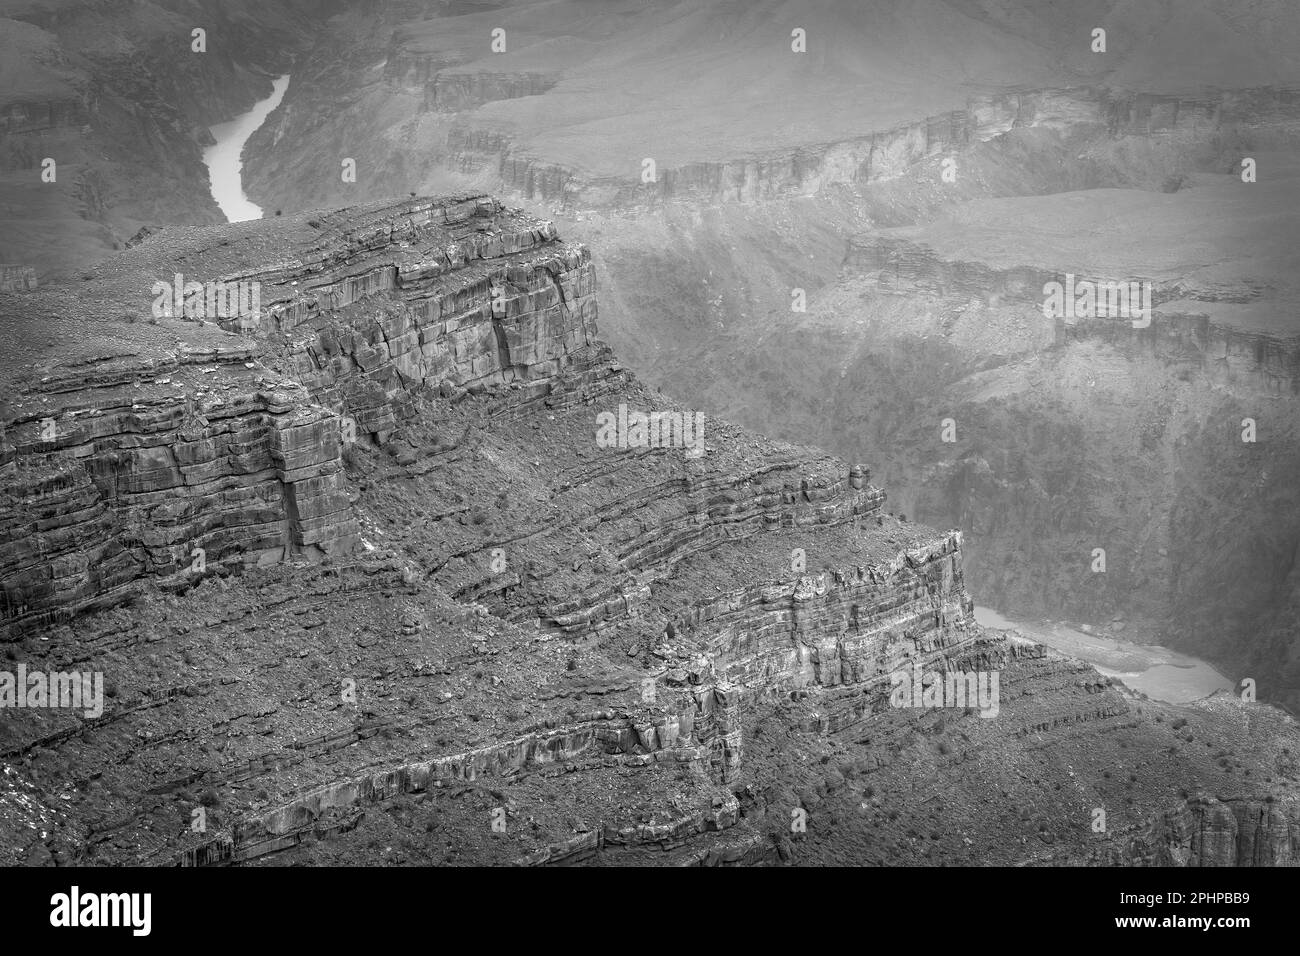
(225, 167)
(1151, 669)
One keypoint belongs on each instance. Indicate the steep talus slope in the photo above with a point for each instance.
(461, 627)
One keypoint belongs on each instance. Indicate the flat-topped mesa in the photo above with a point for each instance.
(194, 412)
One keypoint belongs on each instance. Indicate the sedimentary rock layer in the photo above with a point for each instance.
(434, 617)
(123, 466)
(875, 157)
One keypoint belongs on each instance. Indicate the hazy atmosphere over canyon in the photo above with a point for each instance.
(649, 433)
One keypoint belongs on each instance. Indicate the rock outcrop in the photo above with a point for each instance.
(124, 467)
(367, 578)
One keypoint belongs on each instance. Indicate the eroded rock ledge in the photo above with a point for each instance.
(123, 464)
(433, 612)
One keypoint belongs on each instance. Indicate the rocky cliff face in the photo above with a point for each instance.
(1130, 433)
(570, 101)
(1074, 435)
(489, 153)
(124, 465)
(439, 618)
(1210, 832)
(154, 484)
(878, 157)
(925, 303)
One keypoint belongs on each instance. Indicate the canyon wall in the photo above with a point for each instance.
(1143, 460)
(121, 473)
(365, 585)
(1176, 332)
(141, 473)
(463, 147)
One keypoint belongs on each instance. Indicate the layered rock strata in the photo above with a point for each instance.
(875, 157)
(123, 467)
(442, 617)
